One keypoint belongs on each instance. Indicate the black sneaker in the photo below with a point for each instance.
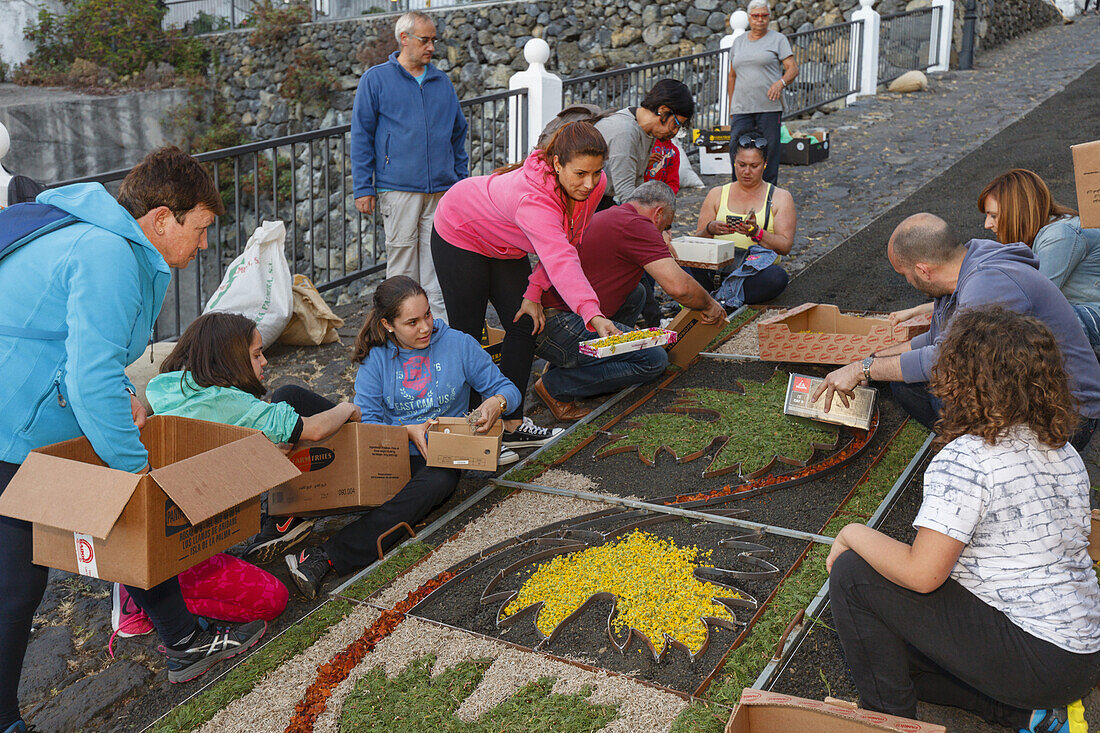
(210, 644)
(529, 435)
(277, 535)
(308, 569)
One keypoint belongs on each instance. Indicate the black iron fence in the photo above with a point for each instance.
(305, 180)
(829, 66)
(701, 72)
(908, 41)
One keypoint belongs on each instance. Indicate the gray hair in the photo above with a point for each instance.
(406, 22)
(654, 193)
(924, 238)
(753, 4)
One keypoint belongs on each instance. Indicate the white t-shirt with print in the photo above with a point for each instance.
(1023, 511)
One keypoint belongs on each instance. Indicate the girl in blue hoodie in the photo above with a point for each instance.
(413, 369)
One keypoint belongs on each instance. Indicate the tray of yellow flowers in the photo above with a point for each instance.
(622, 343)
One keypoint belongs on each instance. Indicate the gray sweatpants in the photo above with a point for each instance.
(407, 218)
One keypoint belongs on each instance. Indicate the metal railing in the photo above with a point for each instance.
(306, 181)
(620, 88)
(216, 15)
(829, 66)
(908, 41)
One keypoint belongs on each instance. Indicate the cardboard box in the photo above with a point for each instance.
(692, 336)
(858, 413)
(761, 711)
(821, 334)
(801, 150)
(714, 150)
(491, 340)
(1086, 172)
(452, 443)
(1094, 536)
(201, 496)
(652, 337)
(710, 254)
(361, 465)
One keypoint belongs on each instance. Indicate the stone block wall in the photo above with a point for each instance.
(481, 45)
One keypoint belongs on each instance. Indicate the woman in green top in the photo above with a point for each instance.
(216, 373)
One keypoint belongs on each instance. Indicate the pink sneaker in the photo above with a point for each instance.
(126, 618)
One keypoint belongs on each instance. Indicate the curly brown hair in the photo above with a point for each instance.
(997, 369)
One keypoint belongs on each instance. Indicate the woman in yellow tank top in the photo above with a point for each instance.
(751, 213)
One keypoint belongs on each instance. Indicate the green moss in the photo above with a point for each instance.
(240, 681)
(754, 423)
(735, 323)
(701, 717)
(553, 453)
(414, 701)
(881, 478)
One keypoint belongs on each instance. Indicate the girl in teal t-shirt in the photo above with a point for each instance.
(216, 373)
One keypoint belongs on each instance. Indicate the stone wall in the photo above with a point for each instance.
(481, 45)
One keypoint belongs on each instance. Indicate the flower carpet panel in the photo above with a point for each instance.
(798, 472)
(655, 597)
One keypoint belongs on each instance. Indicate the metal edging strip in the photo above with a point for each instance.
(817, 604)
(480, 493)
(667, 509)
(729, 357)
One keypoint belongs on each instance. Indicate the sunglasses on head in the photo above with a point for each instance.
(748, 141)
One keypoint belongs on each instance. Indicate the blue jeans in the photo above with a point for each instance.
(573, 375)
(1089, 316)
(767, 123)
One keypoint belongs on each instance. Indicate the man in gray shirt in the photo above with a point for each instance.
(630, 133)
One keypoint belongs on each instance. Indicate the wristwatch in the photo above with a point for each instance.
(866, 365)
(503, 402)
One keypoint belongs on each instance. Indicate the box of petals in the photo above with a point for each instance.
(625, 342)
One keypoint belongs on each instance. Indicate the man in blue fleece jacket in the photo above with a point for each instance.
(925, 251)
(408, 146)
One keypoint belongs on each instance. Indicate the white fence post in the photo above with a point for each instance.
(947, 26)
(544, 99)
(739, 23)
(867, 82)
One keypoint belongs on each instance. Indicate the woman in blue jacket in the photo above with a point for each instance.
(413, 369)
(76, 306)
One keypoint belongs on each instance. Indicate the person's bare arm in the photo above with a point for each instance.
(324, 424)
(904, 315)
(921, 567)
(731, 81)
(683, 288)
(708, 226)
(786, 222)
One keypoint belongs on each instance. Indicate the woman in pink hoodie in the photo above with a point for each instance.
(486, 226)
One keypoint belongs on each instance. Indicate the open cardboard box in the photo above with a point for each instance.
(802, 150)
(821, 334)
(452, 443)
(761, 711)
(201, 496)
(361, 465)
(491, 341)
(692, 336)
(711, 254)
(1086, 173)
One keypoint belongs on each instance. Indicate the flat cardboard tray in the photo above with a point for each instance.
(659, 337)
(858, 413)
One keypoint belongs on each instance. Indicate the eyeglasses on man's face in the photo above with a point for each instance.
(424, 40)
(760, 16)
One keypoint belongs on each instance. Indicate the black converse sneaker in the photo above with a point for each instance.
(529, 435)
(308, 570)
(208, 645)
(277, 535)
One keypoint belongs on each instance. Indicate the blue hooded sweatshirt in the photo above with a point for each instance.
(1008, 275)
(406, 136)
(102, 282)
(408, 386)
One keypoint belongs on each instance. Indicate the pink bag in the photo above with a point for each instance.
(230, 589)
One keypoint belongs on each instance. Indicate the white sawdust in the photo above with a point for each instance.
(746, 341)
(269, 706)
(559, 479)
(519, 513)
(639, 708)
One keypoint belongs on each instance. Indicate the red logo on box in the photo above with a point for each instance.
(86, 553)
(801, 384)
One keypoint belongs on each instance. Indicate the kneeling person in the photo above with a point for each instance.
(620, 245)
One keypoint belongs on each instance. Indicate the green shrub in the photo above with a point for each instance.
(275, 21)
(205, 22)
(308, 77)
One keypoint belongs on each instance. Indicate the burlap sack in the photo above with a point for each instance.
(313, 322)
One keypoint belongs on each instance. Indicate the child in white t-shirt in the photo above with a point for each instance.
(994, 608)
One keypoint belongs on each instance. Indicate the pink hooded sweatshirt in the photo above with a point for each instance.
(509, 215)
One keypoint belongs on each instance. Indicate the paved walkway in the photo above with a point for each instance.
(886, 148)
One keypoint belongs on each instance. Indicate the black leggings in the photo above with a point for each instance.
(356, 545)
(22, 585)
(470, 282)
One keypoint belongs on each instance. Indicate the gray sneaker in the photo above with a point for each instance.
(209, 645)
